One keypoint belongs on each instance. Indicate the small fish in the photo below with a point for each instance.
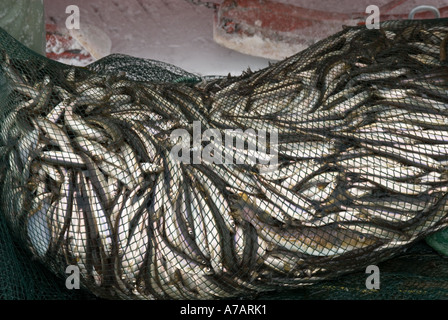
(362, 155)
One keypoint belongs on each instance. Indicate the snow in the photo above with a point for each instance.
(180, 33)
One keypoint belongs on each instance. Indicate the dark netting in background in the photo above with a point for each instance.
(91, 175)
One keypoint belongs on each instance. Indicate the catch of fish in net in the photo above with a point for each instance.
(359, 119)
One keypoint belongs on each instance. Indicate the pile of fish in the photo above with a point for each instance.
(361, 157)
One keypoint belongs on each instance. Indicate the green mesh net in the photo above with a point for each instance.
(285, 183)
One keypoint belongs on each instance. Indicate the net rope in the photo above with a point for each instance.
(156, 183)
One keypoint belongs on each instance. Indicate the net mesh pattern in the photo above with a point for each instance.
(160, 184)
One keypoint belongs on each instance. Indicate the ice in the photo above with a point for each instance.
(172, 31)
(345, 6)
(180, 33)
(93, 39)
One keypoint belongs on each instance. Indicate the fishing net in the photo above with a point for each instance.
(149, 182)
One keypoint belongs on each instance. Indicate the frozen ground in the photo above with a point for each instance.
(180, 33)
